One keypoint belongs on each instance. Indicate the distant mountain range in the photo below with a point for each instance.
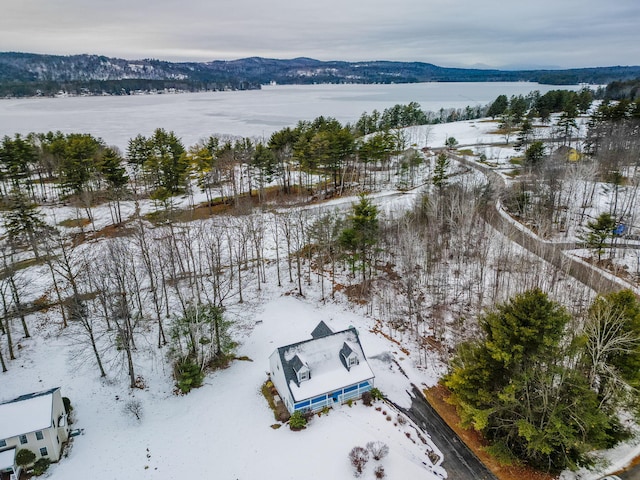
(28, 74)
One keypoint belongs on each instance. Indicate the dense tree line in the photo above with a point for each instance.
(544, 387)
(622, 90)
(516, 108)
(25, 74)
(52, 88)
(401, 116)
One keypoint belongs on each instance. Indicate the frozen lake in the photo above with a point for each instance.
(258, 113)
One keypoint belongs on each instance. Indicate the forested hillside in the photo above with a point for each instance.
(26, 74)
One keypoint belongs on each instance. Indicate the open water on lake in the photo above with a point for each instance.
(193, 116)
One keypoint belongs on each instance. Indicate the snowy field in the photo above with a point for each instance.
(223, 429)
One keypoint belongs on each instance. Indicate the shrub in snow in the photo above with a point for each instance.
(134, 407)
(367, 399)
(379, 472)
(297, 421)
(376, 394)
(359, 457)
(188, 375)
(67, 405)
(25, 457)
(41, 466)
(378, 450)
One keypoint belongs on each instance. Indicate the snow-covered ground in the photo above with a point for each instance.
(223, 429)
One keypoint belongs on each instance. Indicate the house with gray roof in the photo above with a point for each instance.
(328, 369)
(35, 421)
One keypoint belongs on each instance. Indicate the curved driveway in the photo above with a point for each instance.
(459, 461)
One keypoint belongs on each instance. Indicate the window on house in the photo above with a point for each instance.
(353, 360)
(44, 452)
(39, 435)
(3, 443)
(23, 439)
(303, 375)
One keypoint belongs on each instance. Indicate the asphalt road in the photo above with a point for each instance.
(459, 462)
(633, 474)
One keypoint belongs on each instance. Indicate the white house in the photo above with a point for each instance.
(330, 368)
(37, 422)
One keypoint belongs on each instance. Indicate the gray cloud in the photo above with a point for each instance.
(566, 33)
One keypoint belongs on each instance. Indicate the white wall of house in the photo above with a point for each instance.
(279, 381)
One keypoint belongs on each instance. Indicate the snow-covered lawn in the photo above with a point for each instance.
(223, 429)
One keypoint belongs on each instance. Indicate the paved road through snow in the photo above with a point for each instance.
(459, 462)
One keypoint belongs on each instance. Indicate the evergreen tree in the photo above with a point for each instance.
(362, 232)
(265, 162)
(498, 106)
(78, 156)
(599, 231)
(534, 155)
(440, 175)
(164, 161)
(23, 221)
(525, 135)
(113, 171)
(16, 156)
(516, 386)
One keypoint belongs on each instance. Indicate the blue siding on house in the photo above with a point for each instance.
(319, 399)
(337, 396)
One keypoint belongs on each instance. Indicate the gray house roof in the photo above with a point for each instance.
(323, 355)
(321, 330)
(345, 351)
(296, 363)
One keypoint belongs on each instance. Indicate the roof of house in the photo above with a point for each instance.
(322, 354)
(296, 363)
(7, 459)
(345, 351)
(26, 414)
(321, 330)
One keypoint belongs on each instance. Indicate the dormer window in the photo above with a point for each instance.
(303, 375)
(301, 369)
(350, 358)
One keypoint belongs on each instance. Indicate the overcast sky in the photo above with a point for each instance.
(500, 33)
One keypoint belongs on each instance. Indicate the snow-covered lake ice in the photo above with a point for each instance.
(253, 113)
